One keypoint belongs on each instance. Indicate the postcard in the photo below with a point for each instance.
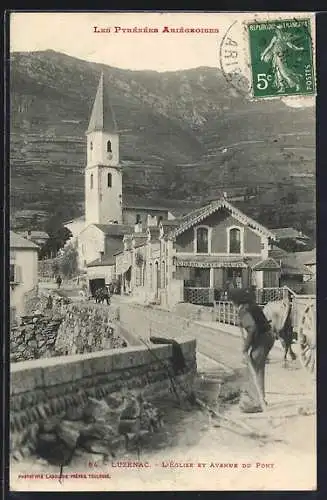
(162, 251)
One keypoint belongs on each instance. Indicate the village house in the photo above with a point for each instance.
(289, 234)
(199, 257)
(37, 237)
(23, 273)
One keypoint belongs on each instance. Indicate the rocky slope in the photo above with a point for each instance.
(184, 134)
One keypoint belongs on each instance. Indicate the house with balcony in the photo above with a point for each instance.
(23, 273)
(200, 256)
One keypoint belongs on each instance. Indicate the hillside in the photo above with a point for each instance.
(184, 134)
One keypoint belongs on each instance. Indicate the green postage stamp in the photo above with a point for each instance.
(281, 58)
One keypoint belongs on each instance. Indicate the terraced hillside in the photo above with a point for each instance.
(184, 134)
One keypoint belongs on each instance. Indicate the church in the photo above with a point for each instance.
(108, 217)
(155, 256)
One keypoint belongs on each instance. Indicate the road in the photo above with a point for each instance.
(288, 463)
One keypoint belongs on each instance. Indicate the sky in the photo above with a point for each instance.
(73, 33)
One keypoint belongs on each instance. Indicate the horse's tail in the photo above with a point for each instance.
(277, 313)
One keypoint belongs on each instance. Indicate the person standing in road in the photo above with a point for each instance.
(258, 340)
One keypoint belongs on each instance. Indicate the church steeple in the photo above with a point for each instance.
(102, 116)
(103, 176)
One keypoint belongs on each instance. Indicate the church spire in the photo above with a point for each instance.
(102, 116)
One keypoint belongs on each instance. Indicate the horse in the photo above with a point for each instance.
(278, 314)
(101, 295)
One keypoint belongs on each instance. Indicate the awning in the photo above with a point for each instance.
(210, 262)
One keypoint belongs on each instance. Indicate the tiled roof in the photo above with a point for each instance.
(293, 263)
(288, 233)
(108, 260)
(199, 214)
(17, 241)
(277, 253)
(266, 265)
(291, 266)
(113, 245)
(115, 229)
(35, 234)
(307, 258)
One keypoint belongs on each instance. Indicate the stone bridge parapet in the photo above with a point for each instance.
(43, 388)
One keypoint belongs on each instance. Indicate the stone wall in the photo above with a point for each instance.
(42, 389)
(88, 328)
(65, 329)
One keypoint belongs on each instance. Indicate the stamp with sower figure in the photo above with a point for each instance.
(281, 58)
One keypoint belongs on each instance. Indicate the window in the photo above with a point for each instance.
(15, 274)
(91, 146)
(109, 180)
(202, 240)
(138, 219)
(12, 273)
(234, 240)
(12, 315)
(91, 181)
(109, 147)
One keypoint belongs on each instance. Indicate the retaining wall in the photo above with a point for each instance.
(43, 388)
(66, 330)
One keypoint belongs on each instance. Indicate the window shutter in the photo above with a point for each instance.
(18, 274)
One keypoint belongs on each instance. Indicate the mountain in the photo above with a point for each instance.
(184, 135)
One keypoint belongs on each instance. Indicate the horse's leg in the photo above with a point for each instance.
(285, 348)
(292, 353)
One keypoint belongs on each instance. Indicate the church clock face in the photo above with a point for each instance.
(109, 156)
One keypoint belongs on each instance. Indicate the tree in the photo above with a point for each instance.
(68, 262)
(58, 235)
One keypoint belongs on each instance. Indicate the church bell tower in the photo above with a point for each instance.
(103, 175)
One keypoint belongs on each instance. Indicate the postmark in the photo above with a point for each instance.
(232, 59)
(281, 58)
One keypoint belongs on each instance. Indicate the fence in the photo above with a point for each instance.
(226, 312)
(265, 295)
(196, 295)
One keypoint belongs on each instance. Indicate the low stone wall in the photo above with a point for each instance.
(195, 312)
(144, 321)
(41, 389)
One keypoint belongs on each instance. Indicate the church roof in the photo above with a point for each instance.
(102, 116)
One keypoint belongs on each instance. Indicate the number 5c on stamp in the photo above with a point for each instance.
(281, 58)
